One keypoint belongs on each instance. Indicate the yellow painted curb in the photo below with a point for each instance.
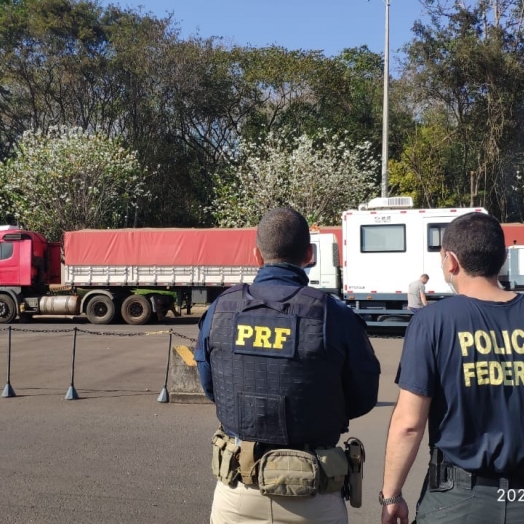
(186, 355)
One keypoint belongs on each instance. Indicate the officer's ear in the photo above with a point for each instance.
(258, 256)
(309, 256)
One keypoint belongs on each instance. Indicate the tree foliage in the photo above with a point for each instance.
(188, 106)
(466, 63)
(319, 177)
(67, 179)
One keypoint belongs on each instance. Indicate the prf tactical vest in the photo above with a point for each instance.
(274, 380)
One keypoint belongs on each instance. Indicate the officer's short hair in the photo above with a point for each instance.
(478, 241)
(283, 236)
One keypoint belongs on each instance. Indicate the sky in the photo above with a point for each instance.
(327, 25)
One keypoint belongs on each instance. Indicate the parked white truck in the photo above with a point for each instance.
(386, 244)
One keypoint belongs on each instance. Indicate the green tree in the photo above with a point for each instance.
(68, 179)
(466, 63)
(320, 177)
(428, 165)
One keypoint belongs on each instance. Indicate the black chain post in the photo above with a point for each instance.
(8, 390)
(71, 392)
(164, 395)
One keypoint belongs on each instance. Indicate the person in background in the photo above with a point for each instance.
(417, 294)
(462, 371)
(287, 367)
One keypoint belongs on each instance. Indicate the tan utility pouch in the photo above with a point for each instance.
(288, 473)
(334, 469)
(356, 457)
(225, 463)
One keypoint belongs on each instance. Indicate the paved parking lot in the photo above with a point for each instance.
(117, 455)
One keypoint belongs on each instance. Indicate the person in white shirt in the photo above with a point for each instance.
(417, 293)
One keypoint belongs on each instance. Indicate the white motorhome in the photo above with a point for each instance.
(386, 245)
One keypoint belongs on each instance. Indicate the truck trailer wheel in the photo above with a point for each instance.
(136, 310)
(100, 310)
(7, 309)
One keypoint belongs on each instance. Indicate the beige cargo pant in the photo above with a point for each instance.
(246, 505)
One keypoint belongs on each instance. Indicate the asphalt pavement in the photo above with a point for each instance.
(116, 455)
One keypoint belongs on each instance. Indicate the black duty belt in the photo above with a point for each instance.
(444, 471)
(469, 480)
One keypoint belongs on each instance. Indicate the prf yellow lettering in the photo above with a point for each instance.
(262, 336)
(281, 335)
(243, 333)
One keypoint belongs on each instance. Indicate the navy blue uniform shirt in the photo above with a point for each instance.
(468, 356)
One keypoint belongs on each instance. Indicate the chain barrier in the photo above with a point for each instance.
(371, 334)
(102, 333)
(385, 335)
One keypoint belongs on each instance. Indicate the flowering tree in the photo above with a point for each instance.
(68, 179)
(319, 177)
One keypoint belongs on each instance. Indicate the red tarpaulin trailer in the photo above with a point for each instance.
(160, 247)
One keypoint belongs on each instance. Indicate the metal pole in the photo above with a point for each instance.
(164, 394)
(385, 112)
(8, 390)
(71, 393)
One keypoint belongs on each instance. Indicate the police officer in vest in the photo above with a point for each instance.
(287, 367)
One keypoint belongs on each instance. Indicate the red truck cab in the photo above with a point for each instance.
(27, 259)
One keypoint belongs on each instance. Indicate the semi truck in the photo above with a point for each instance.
(125, 273)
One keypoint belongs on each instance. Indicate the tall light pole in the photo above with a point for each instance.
(385, 109)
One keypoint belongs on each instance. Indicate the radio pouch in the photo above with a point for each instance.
(288, 473)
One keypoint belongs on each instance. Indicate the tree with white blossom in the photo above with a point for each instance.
(320, 177)
(68, 179)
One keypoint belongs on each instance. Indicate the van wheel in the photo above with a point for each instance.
(136, 310)
(100, 310)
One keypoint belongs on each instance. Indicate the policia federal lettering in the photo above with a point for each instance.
(503, 362)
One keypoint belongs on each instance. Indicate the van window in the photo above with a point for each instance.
(387, 238)
(6, 250)
(435, 234)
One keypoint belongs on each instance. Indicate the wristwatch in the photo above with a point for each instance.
(389, 500)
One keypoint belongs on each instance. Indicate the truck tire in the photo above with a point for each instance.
(7, 309)
(136, 310)
(100, 310)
